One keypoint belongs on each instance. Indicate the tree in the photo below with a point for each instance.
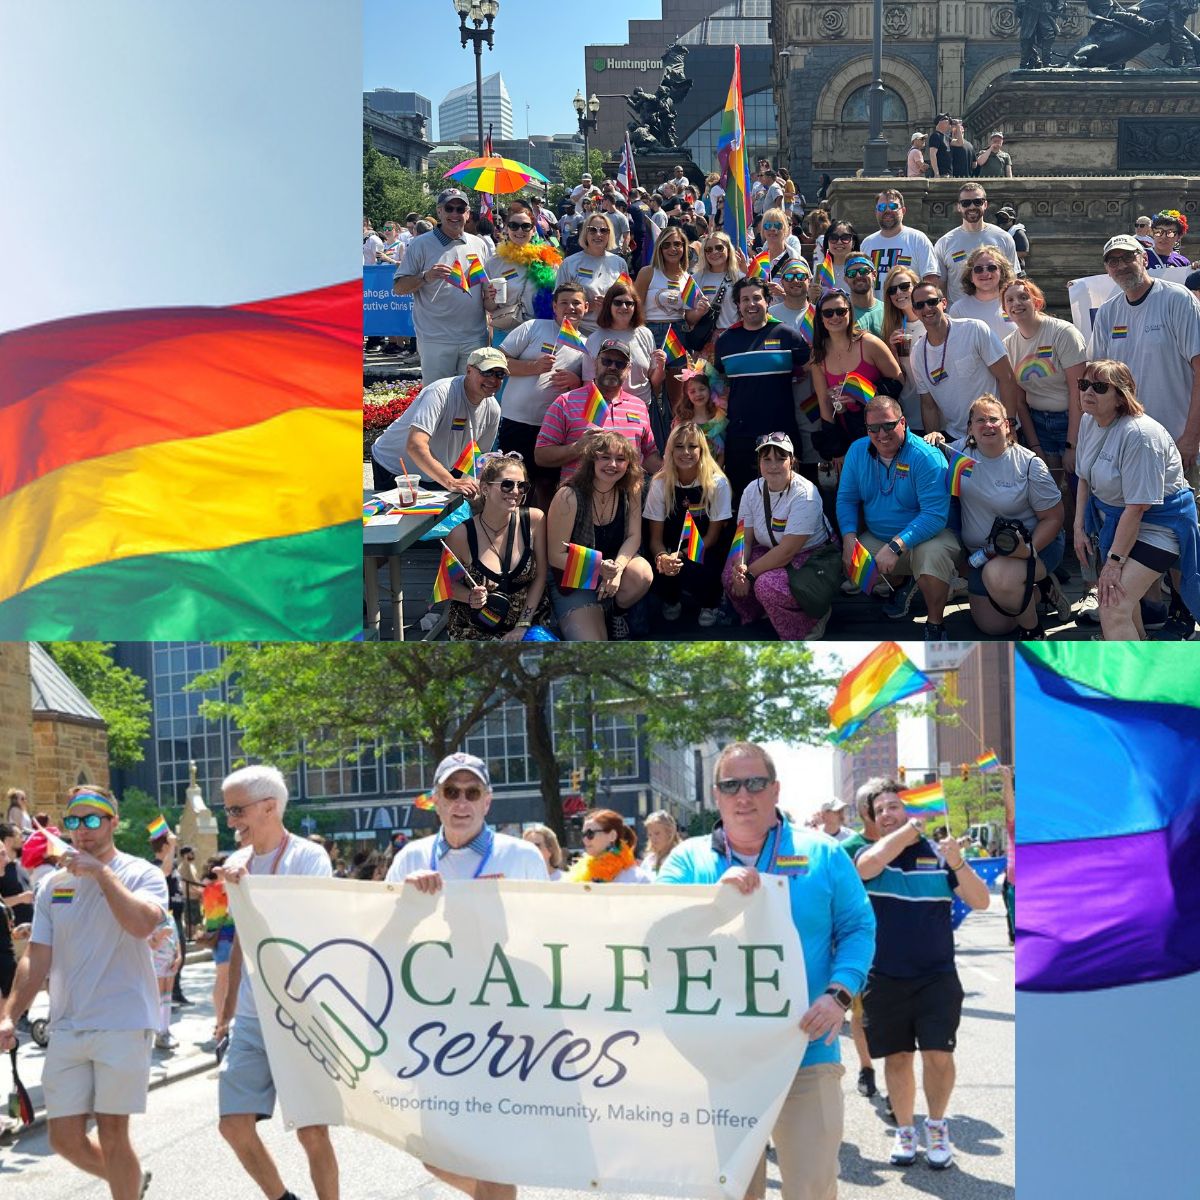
(324, 701)
(570, 171)
(116, 693)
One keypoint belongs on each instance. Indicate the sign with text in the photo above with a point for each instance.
(384, 314)
(613, 1038)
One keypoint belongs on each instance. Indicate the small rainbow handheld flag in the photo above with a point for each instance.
(475, 272)
(214, 906)
(884, 677)
(988, 762)
(689, 539)
(424, 802)
(673, 347)
(690, 292)
(926, 801)
(466, 462)
(760, 265)
(625, 278)
(960, 467)
(737, 551)
(458, 276)
(858, 388)
(595, 409)
(863, 570)
(825, 275)
(806, 324)
(450, 572)
(158, 828)
(582, 569)
(568, 335)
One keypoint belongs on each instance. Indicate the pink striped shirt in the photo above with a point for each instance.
(564, 423)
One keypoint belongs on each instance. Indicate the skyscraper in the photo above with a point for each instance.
(456, 113)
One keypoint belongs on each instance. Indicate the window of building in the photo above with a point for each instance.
(762, 131)
(856, 109)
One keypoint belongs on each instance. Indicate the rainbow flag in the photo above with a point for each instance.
(960, 467)
(737, 551)
(450, 571)
(214, 906)
(778, 524)
(475, 272)
(626, 279)
(459, 276)
(806, 324)
(926, 801)
(149, 478)
(863, 570)
(467, 461)
(582, 569)
(489, 616)
(62, 895)
(689, 539)
(884, 677)
(418, 510)
(825, 275)
(858, 388)
(734, 167)
(158, 828)
(568, 335)
(988, 762)
(595, 408)
(425, 802)
(759, 266)
(690, 292)
(673, 347)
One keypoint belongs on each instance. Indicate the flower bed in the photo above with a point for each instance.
(383, 403)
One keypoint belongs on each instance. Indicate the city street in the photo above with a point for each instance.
(179, 1143)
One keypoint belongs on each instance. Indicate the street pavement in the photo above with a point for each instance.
(178, 1140)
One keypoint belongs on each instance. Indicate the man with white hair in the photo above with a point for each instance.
(255, 800)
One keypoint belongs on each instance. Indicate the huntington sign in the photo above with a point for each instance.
(627, 64)
(528, 1033)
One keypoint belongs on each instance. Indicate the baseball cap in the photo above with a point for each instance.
(461, 762)
(615, 344)
(916, 137)
(1192, 282)
(452, 194)
(1123, 241)
(1006, 211)
(486, 358)
(779, 440)
(995, 133)
(834, 805)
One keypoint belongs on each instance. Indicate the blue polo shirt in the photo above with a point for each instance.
(760, 365)
(830, 908)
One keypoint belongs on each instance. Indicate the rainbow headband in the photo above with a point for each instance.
(93, 800)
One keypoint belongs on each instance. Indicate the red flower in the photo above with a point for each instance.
(383, 405)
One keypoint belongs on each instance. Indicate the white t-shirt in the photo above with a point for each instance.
(954, 248)
(909, 248)
(100, 976)
(1040, 362)
(299, 857)
(442, 311)
(1156, 338)
(721, 508)
(511, 858)
(526, 397)
(1015, 484)
(594, 275)
(372, 244)
(711, 283)
(965, 357)
(797, 510)
(1132, 461)
(987, 311)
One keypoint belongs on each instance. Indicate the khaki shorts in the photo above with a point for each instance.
(97, 1071)
(939, 556)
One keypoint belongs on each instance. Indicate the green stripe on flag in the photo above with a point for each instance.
(1157, 672)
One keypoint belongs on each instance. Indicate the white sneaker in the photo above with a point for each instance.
(672, 612)
(708, 616)
(849, 587)
(1058, 600)
(939, 1153)
(1089, 609)
(904, 1146)
(958, 586)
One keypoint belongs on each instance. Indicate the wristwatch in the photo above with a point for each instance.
(895, 547)
(840, 994)
(1119, 559)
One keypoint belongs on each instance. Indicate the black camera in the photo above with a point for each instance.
(1006, 536)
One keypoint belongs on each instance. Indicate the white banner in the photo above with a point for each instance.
(615, 1038)
(1089, 293)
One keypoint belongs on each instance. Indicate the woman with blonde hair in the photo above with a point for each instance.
(595, 267)
(985, 275)
(662, 836)
(609, 851)
(721, 267)
(901, 326)
(546, 840)
(690, 482)
(781, 247)
(1136, 516)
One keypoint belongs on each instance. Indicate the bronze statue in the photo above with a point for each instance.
(1039, 28)
(653, 123)
(1119, 34)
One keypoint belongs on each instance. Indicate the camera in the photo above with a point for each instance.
(1006, 536)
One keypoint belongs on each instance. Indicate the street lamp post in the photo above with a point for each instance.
(478, 12)
(591, 106)
(875, 152)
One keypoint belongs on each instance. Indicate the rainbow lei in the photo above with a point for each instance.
(540, 262)
(603, 868)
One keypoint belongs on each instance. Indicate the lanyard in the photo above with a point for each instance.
(483, 861)
(275, 861)
(772, 858)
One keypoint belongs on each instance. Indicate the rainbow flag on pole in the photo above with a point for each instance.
(689, 539)
(568, 335)
(673, 347)
(450, 571)
(595, 408)
(825, 275)
(988, 762)
(731, 155)
(475, 272)
(926, 801)
(863, 570)
(960, 467)
(582, 569)
(737, 551)
(858, 388)
(806, 324)
(459, 277)
(158, 828)
(884, 677)
(466, 462)
(690, 292)
(759, 266)
(424, 802)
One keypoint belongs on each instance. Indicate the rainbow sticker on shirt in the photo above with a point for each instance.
(584, 272)
(511, 273)
(772, 344)
(547, 347)
(62, 895)
(1120, 331)
(458, 424)
(938, 374)
(902, 260)
(792, 864)
(1044, 352)
(1035, 366)
(902, 468)
(926, 864)
(958, 256)
(778, 524)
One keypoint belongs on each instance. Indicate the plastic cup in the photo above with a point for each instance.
(406, 489)
(501, 286)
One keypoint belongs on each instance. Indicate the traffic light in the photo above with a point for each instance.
(964, 772)
(576, 780)
(902, 773)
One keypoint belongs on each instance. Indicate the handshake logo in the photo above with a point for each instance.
(340, 1030)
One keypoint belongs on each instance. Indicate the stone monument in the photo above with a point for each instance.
(652, 126)
(197, 825)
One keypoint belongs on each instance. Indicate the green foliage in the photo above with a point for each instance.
(138, 809)
(570, 171)
(116, 693)
(390, 192)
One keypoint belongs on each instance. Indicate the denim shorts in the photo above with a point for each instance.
(1050, 557)
(1051, 430)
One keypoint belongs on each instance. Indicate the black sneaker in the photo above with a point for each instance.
(1036, 634)
(866, 1082)
(935, 633)
(1154, 615)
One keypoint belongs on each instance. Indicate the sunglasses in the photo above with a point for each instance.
(499, 374)
(984, 268)
(918, 305)
(772, 224)
(754, 785)
(517, 226)
(514, 485)
(614, 364)
(454, 208)
(717, 249)
(839, 237)
(596, 229)
(1093, 385)
(768, 437)
(794, 277)
(451, 791)
(236, 810)
(624, 304)
(891, 206)
(830, 313)
(977, 202)
(858, 272)
(91, 821)
(588, 834)
(906, 286)
(883, 426)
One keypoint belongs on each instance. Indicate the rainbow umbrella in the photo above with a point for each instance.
(500, 176)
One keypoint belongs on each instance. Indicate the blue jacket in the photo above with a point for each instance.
(908, 500)
(1176, 513)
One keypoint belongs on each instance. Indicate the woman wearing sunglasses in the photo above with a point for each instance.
(596, 266)
(609, 851)
(783, 523)
(984, 276)
(503, 547)
(900, 327)
(779, 244)
(527, 265)
(621, 317)
(721, 267)
(841, 241)
(1136, 516)
(840, 349)
(690, 482)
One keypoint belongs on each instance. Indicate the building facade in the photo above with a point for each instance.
(983, 683)
(401, 136)
(852, 769)
(399, 104)
(540, 151)
(457, 120)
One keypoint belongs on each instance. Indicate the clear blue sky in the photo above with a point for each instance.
(168, 153)
(538, 50)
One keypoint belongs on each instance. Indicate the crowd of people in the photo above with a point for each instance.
(872, 957)
(882, 394)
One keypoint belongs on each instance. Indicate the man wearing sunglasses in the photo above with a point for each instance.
(860, 279)
(833, 916)
(896, 244)
(445, 418)
(255, 801)
(448, 321)
(90, 924)
(952, 249)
